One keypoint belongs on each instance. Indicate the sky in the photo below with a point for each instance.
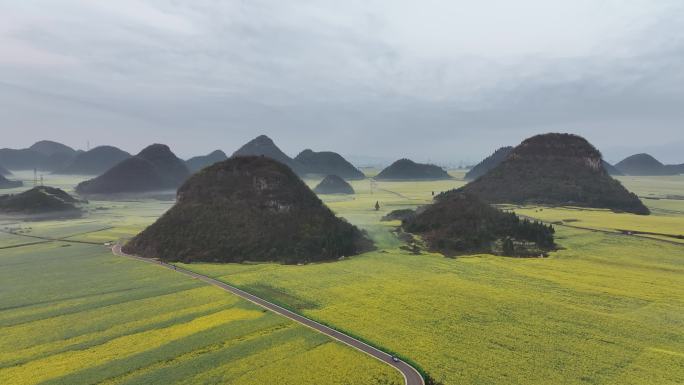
(440, 81)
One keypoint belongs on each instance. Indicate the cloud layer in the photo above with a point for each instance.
(439, 80)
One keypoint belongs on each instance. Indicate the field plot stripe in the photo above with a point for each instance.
(635, 233)
(48, 239)
(410, 374)
(24, 244)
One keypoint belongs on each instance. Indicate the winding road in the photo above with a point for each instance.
(411, 375)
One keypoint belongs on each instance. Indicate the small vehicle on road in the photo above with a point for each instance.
(395, 358)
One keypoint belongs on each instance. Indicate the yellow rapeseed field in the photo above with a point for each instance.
(604, 309)
(76, 314)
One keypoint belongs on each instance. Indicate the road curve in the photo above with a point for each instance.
(411, 375)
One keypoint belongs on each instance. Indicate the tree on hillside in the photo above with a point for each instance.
(508, 247)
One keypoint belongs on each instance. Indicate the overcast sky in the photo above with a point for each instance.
(432, 80)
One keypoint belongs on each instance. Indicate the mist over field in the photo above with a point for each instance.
(439, 81)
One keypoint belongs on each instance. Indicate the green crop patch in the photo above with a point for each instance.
(78, 314)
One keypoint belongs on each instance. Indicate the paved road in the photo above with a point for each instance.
(411, 375)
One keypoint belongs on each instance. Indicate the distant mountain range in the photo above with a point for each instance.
(155, 168)
(199, 162)
(406, 169)
(95, 161)
(262, 145)
(44, 155)
(327, 163)
(308, 162)
(646, 165)
(50, 148)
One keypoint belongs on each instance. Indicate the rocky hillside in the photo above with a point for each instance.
(44, 155)
(199, 162)
(460, 223)
(328, 163)
(262, 145)
(49, 148)
(155, 168)
(23, 159)
(55, 156)
(95, 161)
(41, 199)
(555, 169)
(610, 169)
(406, 169)
(248, 209)
(488, 163)
(500, 155)
(644, 164)
(333, 184)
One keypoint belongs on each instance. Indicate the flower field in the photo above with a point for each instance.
(75, 314)
(605, 308)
